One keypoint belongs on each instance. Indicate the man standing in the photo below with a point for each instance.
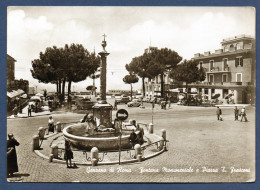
(243, 114)
(12, 165)
(236, 111)
(219, 113)
(29, 110)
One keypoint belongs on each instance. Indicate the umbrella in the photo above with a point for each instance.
(228, 96)
(215, 96)
(35, 98)
(39, 94)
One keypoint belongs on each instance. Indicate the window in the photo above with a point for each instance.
(201, 62)
(206, 91)
(224, 78)
(225, 64)
(239, 61)
(226, 49)
(239, 77)
(211, 78)
(211, 64)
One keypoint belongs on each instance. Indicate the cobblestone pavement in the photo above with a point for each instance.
(197, 141)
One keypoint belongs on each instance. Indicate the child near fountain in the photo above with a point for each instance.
(68, 155)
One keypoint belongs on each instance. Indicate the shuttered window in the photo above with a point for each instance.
(239, 62)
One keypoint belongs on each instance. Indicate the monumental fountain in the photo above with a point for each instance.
(99, 131)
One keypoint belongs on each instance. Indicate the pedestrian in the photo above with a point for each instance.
(236, 112)
(50, 125)
(169, 102)
(68, 155)
(29, 110)
(133, 138)
(12, 165)
(243, 114)
(15, 110)
(36, 106)
(219, 113)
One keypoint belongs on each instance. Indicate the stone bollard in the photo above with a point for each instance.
(138, 152)
(36, 145)
(54, 150)
(161, 143)
(41, 133)
(94, 156)
(150, 128)
(51, 158)
(163, 135)
(58, 127)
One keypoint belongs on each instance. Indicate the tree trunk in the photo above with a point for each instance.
(143, 87)
(162, 86)
(131, 91)
(57, 88)
(63, 89)
(187, 93)
(69, 88)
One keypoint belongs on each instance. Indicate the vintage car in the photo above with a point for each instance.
(123, 100)
(134, 103)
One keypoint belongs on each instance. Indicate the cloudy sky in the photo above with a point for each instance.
(129, 30)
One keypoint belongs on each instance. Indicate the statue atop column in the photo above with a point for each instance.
(104, 43)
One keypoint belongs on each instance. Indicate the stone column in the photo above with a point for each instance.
(103, 76)
(58, 127)
(41, 132)
(54, 151)
(36, 145)
(138, 152)
(150, 128)
(94, 156)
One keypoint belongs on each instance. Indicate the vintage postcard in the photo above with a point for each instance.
(131, 94)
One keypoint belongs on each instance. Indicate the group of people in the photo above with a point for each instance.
(236, 114)
(136, 138)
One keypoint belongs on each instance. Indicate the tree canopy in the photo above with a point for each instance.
(60, 65)
(164, 59)
(154, 63)
(188, 71)
(130, 79)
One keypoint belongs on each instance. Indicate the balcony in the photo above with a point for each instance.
(218, 70)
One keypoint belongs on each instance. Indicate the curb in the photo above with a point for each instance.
(20, 117)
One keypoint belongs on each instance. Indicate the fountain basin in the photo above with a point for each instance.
(75, 134)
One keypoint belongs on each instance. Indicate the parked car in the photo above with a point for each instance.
(134, 103)
(123, 100)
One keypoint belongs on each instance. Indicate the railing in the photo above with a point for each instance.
(102, 154)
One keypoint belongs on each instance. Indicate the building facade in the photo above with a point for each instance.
(15, 88)
(230, 71)
(12, 83)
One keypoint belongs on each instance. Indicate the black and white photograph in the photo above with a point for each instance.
(131, 94)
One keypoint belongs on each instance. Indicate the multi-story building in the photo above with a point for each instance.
(15, 88)
(12, 83)
(230, 71)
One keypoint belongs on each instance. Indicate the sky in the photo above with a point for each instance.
(129, 30)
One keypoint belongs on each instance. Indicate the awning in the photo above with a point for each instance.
(15, 93)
